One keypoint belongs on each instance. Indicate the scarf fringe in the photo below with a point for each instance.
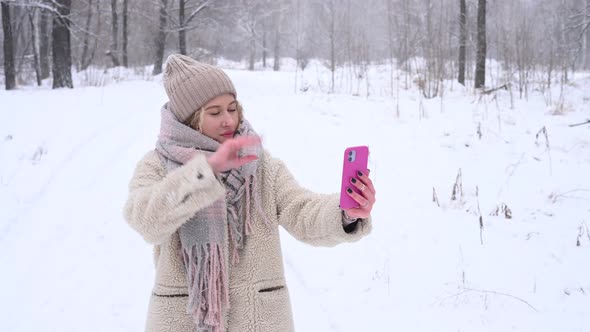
(235, 255)
(248, 222)
(208, 285)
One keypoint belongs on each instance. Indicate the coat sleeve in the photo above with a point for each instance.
(310, 217)
(159, 203)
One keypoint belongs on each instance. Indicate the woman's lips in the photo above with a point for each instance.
(228, 134)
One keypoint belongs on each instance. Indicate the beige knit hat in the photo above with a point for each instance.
(191, 84)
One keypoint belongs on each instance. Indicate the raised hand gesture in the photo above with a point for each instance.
(227, 155)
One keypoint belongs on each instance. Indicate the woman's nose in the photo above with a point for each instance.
(227, 120)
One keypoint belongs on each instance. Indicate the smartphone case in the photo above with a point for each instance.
(360, 156)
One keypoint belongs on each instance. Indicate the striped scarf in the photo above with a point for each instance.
(204, 237)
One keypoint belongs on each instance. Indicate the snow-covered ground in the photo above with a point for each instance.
(69, 262)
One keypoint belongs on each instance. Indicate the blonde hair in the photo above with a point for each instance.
(196, 118)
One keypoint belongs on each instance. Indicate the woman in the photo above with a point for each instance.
(212, 212)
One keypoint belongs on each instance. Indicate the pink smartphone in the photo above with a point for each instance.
(355, 159)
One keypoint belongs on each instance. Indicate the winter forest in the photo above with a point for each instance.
(538, 43)
(476, 114)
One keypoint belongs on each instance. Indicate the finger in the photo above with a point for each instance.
(363, 188)
(246, 141)
(364, 178)
(363, 202)
(244, 160)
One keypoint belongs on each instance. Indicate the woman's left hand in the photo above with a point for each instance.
(367, 197)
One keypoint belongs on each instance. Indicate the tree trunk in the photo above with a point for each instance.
(332, 43)
(390, 42)
(462, 40)
(586, 51)
(480, 67)
(9, 71)
(21, 39)
(61, 46)
(181, 25)
(161, 39)
(252, 48)
(85, 61)
(44, 42)
(114, 51)
(89, 57)
(264, 52)
(351, 46)
(277, 60)
(181, 31)
(125, 32)
(33, 19)
(297, 39)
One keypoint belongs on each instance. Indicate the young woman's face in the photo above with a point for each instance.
(220, 118)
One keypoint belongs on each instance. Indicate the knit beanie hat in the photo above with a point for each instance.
(191, 84)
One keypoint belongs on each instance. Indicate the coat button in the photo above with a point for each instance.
(199, 176)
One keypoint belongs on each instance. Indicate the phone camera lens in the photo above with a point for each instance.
(350, 153)
(349, 158)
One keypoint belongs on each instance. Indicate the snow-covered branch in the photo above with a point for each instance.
(197, 10)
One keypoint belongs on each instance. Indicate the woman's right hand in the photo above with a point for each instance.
(227, 155)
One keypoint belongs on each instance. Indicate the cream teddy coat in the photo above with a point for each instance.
(159, 203)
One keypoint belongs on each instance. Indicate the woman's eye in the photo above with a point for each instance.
(216, 113)
(232, 110)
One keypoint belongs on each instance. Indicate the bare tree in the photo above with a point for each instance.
(390, 41)
(303, 40)
(9, 70)
(271, 16)
(125, 32)
(113, 52)
(44, 42)
(181, 30)
(21, 39)
(279, 21)
(185, 23)
(435, 48)
(480, 67)
(250, 22)
(253, 20)
(61, 46)
(579, 25)
(357, 24)
(522, 30)
(265, 27)
(409, 27)
(33, 20)
(327, 17)
(462, 40)
(586, 40)
(277, 42)
(88, 50)
(161, 38)
(331, 9)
